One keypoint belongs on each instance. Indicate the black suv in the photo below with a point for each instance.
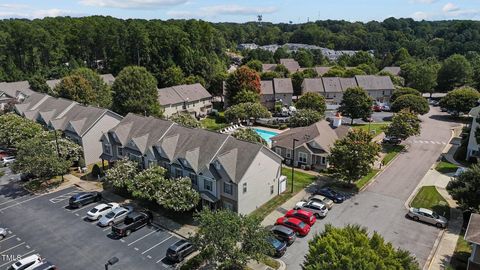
(284, 234)
(84, 198)
(133, 222)
(180, 250)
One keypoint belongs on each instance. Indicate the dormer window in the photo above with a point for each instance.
(107, 148)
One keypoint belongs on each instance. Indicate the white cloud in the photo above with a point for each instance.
(449, 7)
(420, 15)
(137, 4)
(213, 11)
(13, 6)
(26, 12)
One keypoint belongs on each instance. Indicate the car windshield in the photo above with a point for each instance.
(301, 225)
(94, 210)
(275, 242)
(110, 214)
(435, 215)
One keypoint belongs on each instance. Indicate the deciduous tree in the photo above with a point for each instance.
(304, 117)
(404, 124)
(185, 119)
(460, 100)
(466, 188)
(249, 135)
(456, 71)
(356, 104)
(414, 103)
(102, 92)
(242, 79)
(122, 173)
(15, 129)
(147, 183)
(76, 88)
(312, 101)
(404, 91)
(245, 111)
(177, 194)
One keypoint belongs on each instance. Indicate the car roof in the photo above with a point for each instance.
(282, 228)
(118, 209)
(318, 197)
(300, 211)
(179, 244)
(293, 220)
(315, 203)
(135, 214)
(102, 205)
(30, 258)
(426, 211)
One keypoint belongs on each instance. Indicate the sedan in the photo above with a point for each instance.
(298, 226)
(391, 140)
(28, 263)
(316, 208)
(84, 198)
(115, 216)
(333, 195)
(280, 247)
(322, 199)
(305, 216)
(428, 216)
(3, 233)
(101, 210)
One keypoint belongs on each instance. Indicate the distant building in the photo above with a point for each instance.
(247, 46)
(13, 92)
(193, 99)
(278, 89)
(472, 236)
(380, 88)
(392, 70)
(473, 151)
(291, 65)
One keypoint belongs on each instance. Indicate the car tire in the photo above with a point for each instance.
(439, 225)
(415, 218)
(110, 223)
(1, 237)
(128, 232)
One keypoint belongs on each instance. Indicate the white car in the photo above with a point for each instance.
(27, 263)
(317, 208)
(3, 233)
(8, 160)
(101, 210)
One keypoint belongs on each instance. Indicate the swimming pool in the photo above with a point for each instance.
(265, 134)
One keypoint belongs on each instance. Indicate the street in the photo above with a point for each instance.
(381, 207)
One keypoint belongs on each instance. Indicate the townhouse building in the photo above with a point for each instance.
(193, 99)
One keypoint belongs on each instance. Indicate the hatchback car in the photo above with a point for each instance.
(180, 250)
(284, 234)
(101, 210)
(322, 199)
(305, 216)
(317, 208)
(3, 233)
(279, 247)
(28, 263)
(428, 216)
(300, 227)
(83, 198)
(333, 195)
(115, 216)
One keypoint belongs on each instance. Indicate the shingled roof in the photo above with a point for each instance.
(12, 89)
(268, 67)
(49, 109)
(472, 234)
(182, 93)
(283, 86)
(314, 85)
(266, 87)
(35, 99)
(393, 70)
(372, 82)
(109, 79)
(290, 64)
(332, 84)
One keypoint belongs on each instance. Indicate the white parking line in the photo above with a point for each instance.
(12, 247)
(106, 229)
(161, 259)
(142, 237)
(156, 245)
(12, 200)
(22, 256)
(63, 197)
(19, 203)
(5, 239)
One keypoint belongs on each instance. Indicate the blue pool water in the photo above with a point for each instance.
(265, 134)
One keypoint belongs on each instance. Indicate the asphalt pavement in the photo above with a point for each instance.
(381, 207)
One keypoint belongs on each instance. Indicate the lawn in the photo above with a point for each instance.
(428, 197)
(463, 249)
(372, 127)
(301, 181)
(446, 167)
(214, 122)
(366, 179)
(391, 152)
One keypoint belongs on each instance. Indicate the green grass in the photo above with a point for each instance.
(428, 197)
(446, 167)
(366, 179)
(268, 261)
(214, 122)
(391, 152)
(375, 128)
(301, 181)
(462, 252)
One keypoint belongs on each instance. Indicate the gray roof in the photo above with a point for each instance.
(472, 234)
(283, 86)
(266, 87)
(314, 85)
(290, 64)
(322, 70)
(182, 93)
(372, 82)
(32, 100)
(332, 84)
(49, 109)
(393, 70)
(12, 89)
(347, 83)
(268, 67)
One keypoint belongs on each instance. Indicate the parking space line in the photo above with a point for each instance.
(7, 238)
(12, 247)
(143, 237)
(12, 200)
(81, 208)
(63, 197)
(19, 203)
(22, 256)
(156, 245)
(161, 259)
(106, 229)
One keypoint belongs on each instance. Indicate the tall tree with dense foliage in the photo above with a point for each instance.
(243, 78)
(122, 173)
(304, 117)
(255, 65)
(456, 71)
(14, 129)
(356, 104)
(135, 91)
(245, 96)
(39, 84)
(404, 125)
(312, 101)
(460, 100)
(466, 187)
(352, 248)
(177, 194)
(76, 88)
(172, 76)
(249, 135)
(421, 75)
(245, 111)
(146, 183)
(403, 91)
(185, 119)
(229, 240)
(414, 103)
(101, 91)
(352, 157)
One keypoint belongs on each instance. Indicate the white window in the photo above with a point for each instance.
(207, 185)
(302, 157)
(323, 160)
(227, 188)
(107, 148)
(289, 153)
(120, 151)
(278, 150)
(244, 188)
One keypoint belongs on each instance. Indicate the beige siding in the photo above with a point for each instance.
(92, 146)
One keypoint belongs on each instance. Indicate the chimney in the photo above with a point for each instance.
(337, 120)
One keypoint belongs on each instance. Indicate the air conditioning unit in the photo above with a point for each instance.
(302, 167)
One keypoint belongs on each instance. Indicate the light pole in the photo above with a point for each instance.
(293, 161)
(58, 148)
(112, 261)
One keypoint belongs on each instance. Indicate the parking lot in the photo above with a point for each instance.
(43, 224)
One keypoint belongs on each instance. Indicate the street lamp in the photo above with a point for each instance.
(58, 148)
(293, 161)
(112, 261)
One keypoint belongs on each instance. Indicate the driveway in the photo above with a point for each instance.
(381, 207)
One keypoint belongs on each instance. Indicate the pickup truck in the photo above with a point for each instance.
(133, 222)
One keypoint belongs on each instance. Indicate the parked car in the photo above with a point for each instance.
(298, 226)
(386, 108)
(333, 195)
(100, 210)
(317, 208)
(133, 222)
(180, 250)
(284, 234)
(443, 109)
(367, 119)
(280, 247)
(84, 198)
(377, 108)
(319, 198)
(8, 160)
(428, 216)
(3, 233)
(305, 216)
(436, 103)
(28, 263)
(46, 266)
(115, 216)
(391, 140)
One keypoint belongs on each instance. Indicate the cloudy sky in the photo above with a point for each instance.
(296, 11)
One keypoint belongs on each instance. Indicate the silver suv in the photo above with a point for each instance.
(115, 216)
(317, 208)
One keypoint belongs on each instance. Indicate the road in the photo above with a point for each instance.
(381, 207)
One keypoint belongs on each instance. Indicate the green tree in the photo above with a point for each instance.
(185, 119)
(245, 111)
(245, 96)
(466, 187)
(269, 75)
(102, 92)
(76, 88)
(335, 71)
(39, 84)
(282, 70)
(146, 184)
(249, 135)
(229, 240)
(135, 91)
(404, 91)
(15, 129)
(352, 156)
(404, 124)
(172, 76)
(352, 248)
(421, 75)
(356, 104)
(352, 72)
(304, 58)
(255, 65)
(177, 194)
(305, 117)
(312, 101)
(460, 100)
(456, 71)
(242, 79)
(122, 173)
(414, 103)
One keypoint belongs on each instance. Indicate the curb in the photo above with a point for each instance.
(436, 244)
(283, 266)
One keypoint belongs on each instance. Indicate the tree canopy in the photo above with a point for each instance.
(186, 120)
(356, 103)
(404, 91)
(412, 102)
(466, 187)
(101, 91)
(245, 111)
(312, 101)
(460, 100)
(304, 117)
(14, 129)
(455, 72)
(76, 88)
(404, 124)
(249, 135)
(244, 79)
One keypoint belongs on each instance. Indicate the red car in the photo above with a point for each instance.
(298, 226)
(377, 108)
(303, 215)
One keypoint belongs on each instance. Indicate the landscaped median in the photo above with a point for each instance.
(428, 197)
